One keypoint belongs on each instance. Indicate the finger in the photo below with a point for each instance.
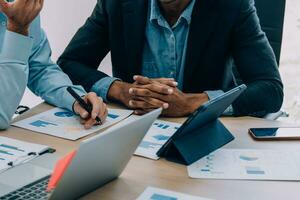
(95, 101)
(142, 112)
(144, 92)
(89, 123)
(142, 79)
(140, 105)
(41, 2)
(80, 111)
(103, 112)
(39, 5)
(154, 102)
(29, 4)
(167, 81)
(3, 5)
(104, 116)
(160, 88)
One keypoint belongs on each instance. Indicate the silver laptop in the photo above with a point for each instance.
(98, 160)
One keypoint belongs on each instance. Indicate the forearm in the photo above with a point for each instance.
(260, 98)
(256, 65)
(86, 50)
(194, 101)
(47, 80)
(14, 57)
(13, 80)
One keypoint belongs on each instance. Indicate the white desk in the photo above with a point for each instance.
(142, 172)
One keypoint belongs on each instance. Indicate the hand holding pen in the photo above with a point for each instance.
(91, 108)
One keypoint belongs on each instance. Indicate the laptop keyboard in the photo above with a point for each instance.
(35, 190)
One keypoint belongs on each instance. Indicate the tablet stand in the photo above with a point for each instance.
(195, 145)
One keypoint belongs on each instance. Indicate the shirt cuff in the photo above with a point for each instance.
(101, 87)
(214, 94)
(16, 47)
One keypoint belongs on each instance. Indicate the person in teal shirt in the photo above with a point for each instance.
(25, 61)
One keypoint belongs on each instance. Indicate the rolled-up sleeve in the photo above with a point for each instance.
(47, 80)
(101, 88)
(14, 56)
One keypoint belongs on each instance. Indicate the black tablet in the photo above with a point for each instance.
(206, 113)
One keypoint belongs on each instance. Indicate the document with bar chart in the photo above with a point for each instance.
(152, 193)
(248, 164)
(14, 152)
(64, 124)
(157, 135)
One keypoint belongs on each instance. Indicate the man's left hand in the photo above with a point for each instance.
(180, 104)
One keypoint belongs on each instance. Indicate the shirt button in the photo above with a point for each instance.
(3, 23)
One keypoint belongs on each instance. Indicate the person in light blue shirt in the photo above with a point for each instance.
(25, 60)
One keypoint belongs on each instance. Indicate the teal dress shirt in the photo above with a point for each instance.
(165, 46)
(164, 51)
(26, 61)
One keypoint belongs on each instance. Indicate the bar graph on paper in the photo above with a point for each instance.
(157, 135)
(249, 164)
(62, 123)
(152, 193)
(12, 150)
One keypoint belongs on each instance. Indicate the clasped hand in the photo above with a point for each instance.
(146, 94)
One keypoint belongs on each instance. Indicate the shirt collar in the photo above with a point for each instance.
(155, 13)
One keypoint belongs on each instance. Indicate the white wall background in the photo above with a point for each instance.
(60, 20)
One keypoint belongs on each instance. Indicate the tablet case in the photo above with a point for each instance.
(202, 133)
(191, 147)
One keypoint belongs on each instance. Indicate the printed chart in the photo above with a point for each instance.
(61, 123)
(13, 152)
(157, 135)
(152, 193)
(250, 164)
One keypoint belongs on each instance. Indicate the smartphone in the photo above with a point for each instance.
(275, 133)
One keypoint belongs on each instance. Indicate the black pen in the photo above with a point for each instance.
(82, 103)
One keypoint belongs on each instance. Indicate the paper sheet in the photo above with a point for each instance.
(152, 193)
(64, 124)
(16, 152)
(157, 135)
(249, 164)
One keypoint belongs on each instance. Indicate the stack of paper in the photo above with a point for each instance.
(64, 124)
(249, 164)
(152, 193)
(14, 152)
(155, 138)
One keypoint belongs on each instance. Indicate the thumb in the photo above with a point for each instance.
(3, 5)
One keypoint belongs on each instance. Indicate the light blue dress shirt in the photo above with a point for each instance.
(164, 51)
(26, 61)
(165, 46)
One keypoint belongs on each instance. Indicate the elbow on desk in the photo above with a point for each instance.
(260, 100)
(275, 98)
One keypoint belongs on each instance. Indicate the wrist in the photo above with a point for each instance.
(23, 30)
(115, 91)
(196, 100)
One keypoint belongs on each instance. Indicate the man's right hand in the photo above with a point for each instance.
(124, 93)
(20, 14)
